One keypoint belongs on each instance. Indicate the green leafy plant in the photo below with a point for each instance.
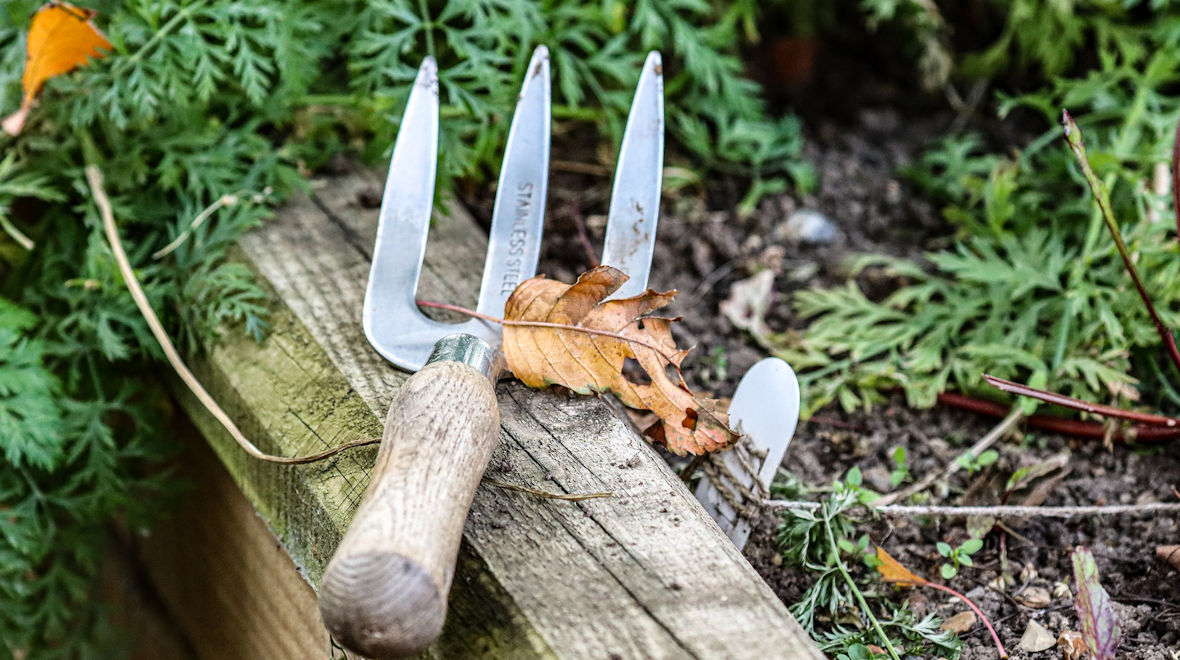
(959, 556)
(482, 46)
(972, 463)
(1031, 292)
(819, 541)
(900, 472)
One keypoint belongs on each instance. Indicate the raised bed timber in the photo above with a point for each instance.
(644, 573)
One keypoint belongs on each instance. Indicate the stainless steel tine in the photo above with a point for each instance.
(635, 200)
(391, 320)
(514, 241)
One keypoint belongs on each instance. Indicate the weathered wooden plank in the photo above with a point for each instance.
(200, 557)
(645, 573)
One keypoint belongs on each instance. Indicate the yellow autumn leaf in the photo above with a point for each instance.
(892, 571)
(61, 38)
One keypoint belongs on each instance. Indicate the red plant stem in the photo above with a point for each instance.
(1078, 404)
(975, 608)
(1137, 433)
(1176, 178)
(1073, 136)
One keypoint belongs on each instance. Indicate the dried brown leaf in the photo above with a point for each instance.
(892, 571)
(1035, 597)
(570, 356)
(960, 623)
(1072, 646)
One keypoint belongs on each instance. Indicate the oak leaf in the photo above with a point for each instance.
(61, 38)
(566, 354)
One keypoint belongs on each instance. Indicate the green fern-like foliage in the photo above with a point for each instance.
(714, 112)
(215, 109)
(1034, 291)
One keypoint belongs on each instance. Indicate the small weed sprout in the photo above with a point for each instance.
(959, 557)
(900, 473)
(972, 463)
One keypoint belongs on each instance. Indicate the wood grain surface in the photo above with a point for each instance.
(644, 573)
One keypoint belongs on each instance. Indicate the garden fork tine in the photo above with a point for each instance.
(635, 200)
(384, 592)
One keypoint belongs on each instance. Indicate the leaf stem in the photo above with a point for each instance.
(427, 27)
(183, 12)
(834, 553)
(1176, 177)
(1073, 136)
(974, 608)
(15, 233)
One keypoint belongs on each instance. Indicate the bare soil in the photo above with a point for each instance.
(704, 247)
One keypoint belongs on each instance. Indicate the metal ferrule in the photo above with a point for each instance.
(470, 350)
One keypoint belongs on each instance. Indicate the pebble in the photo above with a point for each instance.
(808, 226)
(1036, 638)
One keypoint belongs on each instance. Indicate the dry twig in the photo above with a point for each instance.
(986, 441)
(94, 178)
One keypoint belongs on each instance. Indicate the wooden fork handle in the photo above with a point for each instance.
(384, 593)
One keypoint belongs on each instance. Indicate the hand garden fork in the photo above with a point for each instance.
(384, 592)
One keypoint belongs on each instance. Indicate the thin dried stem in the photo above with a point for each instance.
(224, 200)
(998, 511)
(986, 441)
(1078, 404)
(94, 178)
(1074, 427)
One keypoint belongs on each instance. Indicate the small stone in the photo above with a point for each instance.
(1035, 597)
(808, 226)
(1036, 638)
(1061, 590)
(960, 623)
(1028, 573)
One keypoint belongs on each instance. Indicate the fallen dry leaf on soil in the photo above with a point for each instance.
(1036, 638)
(893, 572)
(748, 302)
(61, 38)
(1035, 597)
(585, 362)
